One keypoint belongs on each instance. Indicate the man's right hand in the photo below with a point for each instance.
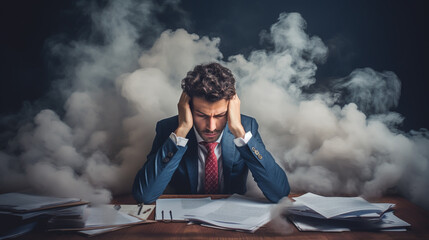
(185, 116)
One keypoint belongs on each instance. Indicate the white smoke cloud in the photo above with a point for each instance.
(324, 141)
(95, 147)
(324, 147)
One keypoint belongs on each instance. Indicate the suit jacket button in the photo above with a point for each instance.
(260, 156)
(256, 152)
(253, 149)
(170, 155)
(166, 160)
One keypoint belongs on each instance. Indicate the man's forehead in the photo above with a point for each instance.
(205, 107)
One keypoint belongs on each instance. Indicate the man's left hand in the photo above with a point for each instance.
(234, 118)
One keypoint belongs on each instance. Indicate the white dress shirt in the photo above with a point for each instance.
(202, 155)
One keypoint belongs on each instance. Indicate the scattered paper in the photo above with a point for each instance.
(312, 212)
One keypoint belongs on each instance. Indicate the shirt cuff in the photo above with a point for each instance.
(179, 141)
(239, 142)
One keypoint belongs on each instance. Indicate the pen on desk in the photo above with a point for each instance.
(147, 210)
(140, 209)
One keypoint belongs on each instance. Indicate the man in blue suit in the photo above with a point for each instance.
(209, 146)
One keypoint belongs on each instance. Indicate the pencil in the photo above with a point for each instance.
(147, 210)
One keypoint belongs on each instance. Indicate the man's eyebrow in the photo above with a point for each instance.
(221, 114)
(199, 112)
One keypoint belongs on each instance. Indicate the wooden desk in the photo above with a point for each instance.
(416, 216)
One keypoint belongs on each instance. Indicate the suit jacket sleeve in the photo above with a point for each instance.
(163, 160)
(271, 179)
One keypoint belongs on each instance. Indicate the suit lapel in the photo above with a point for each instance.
(191, 160)
(228, 149)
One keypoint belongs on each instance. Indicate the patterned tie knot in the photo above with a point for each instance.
(210, 146)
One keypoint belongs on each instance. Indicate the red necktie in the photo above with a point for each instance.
(211, 178)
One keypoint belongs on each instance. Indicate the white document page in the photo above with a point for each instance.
(105, 216)
(234, 213)
(134, 210)
(169, 209)
(333, 206)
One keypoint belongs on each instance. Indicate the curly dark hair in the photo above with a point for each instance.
(211, 81)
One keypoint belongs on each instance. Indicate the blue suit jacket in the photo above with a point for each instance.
(168, 163)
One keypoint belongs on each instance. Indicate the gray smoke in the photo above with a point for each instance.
(339, 142)
(325, 147)
(372, 91)
(95, 147)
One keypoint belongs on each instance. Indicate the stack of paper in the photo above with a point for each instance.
(311, 212)
(235, 212)
(21, 213)
(21, 202)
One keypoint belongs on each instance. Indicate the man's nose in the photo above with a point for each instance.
(212, 124)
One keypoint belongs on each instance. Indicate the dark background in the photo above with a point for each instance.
(383, 35)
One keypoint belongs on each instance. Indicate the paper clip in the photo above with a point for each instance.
(171, 216)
